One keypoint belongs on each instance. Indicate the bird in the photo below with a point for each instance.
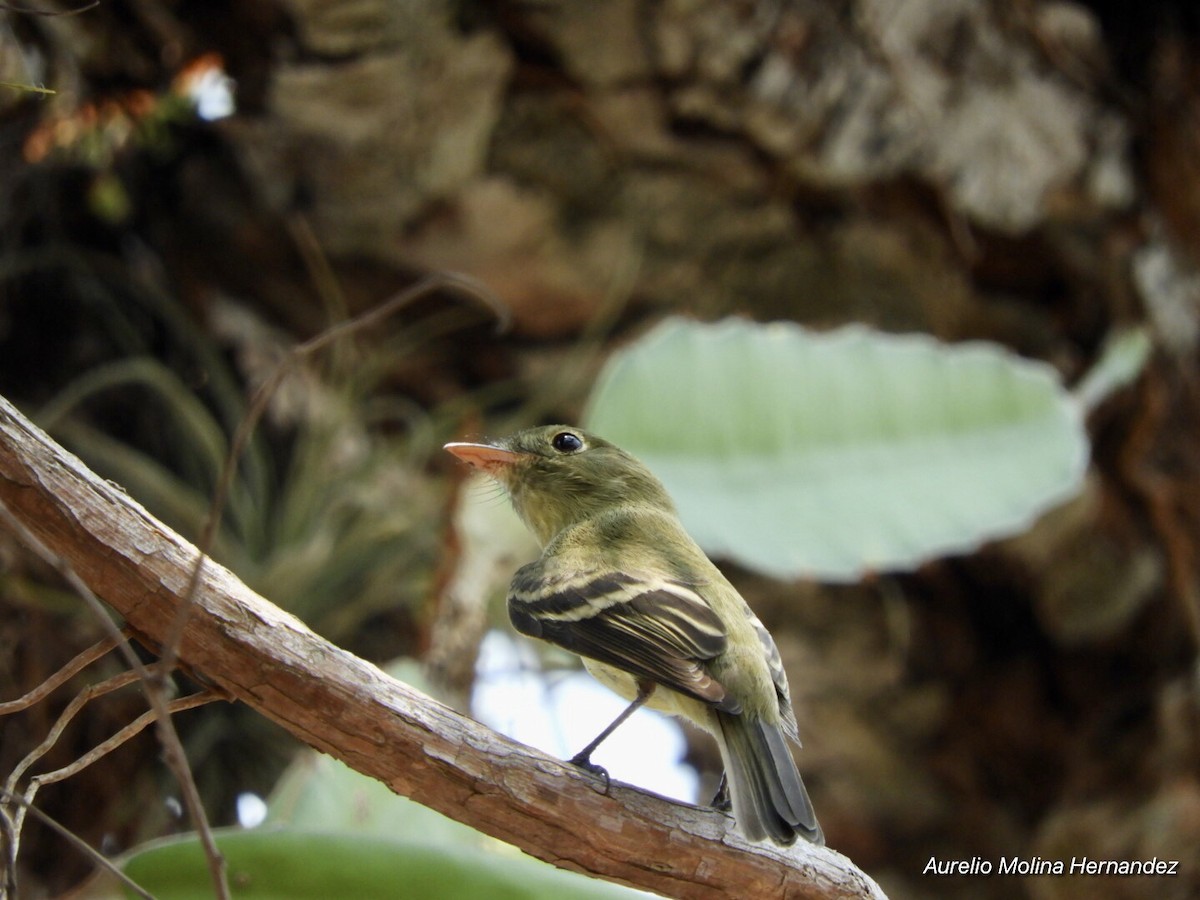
(622, 584)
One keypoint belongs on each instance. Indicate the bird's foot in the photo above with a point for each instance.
(721, 800)
(583, 761)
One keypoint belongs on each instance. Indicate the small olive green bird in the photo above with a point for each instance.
(623, 585)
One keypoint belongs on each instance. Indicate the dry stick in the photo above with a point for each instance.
(78, 702)
(75, 841)
(43, 690)
(339, 704)
(12, 826)
(173, 752)
(107, 746)
(8, 836)
(98, 752)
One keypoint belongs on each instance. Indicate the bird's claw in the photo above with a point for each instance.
(580, 761)
(721, 800)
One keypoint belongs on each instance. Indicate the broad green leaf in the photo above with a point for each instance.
(282, 864)
(804, 454)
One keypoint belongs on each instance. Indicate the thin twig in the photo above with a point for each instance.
(134, 728)
(78, 702)
(78, 843)
(152, 687)
(14, 826)
(8, 835)
(43, 690)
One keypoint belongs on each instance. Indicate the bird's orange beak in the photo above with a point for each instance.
(484, 457)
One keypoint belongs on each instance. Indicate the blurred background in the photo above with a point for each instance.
(191, 188)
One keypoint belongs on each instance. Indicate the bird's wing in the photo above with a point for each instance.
(651, 627)
(778, 676)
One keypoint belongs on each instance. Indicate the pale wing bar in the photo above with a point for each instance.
(654, 629)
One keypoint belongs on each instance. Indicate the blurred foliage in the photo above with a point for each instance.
(330, 521)
(1024, 175)
(831, 456)
(331, 514)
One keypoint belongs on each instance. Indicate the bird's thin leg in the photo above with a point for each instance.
(721, 798)
(583, 760)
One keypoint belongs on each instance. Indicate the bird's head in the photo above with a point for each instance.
(557, 475)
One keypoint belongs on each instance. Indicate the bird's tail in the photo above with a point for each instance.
(769, 799)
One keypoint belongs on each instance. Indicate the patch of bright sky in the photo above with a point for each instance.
(251, 810)
(559, 716)
(213, 93)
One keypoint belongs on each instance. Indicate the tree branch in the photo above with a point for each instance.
(346, 707)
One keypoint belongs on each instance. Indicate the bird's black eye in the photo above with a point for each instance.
(566, 442)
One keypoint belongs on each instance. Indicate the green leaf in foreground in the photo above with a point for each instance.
(270, 864)
(333, 832)
(831, 455)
